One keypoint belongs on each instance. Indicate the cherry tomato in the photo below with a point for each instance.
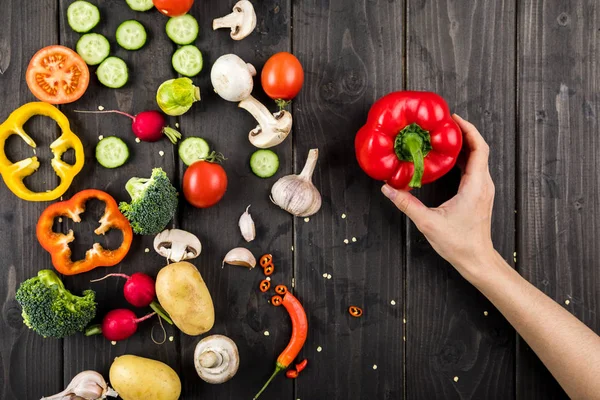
(173, 8)
(204, 184)
(282, 76)
(57, 75)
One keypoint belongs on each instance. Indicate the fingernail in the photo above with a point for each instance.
(388, 192)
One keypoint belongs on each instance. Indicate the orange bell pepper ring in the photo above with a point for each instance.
(14, 173)
(57, 244)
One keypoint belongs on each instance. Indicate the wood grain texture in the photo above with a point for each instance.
(352, 55)
(559, 104)
(26, 359)
(148, 67)
(467, 55)
(242, 311)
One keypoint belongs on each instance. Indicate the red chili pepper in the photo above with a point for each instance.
(355, 311)
(276, 301)
(57, 244)
(409, 139)
(291, 373)
(269, 270)
(299, 332)
(300, 367)
(266, 260)
(281, 289)
(264, 285)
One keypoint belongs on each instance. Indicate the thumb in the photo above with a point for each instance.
(407, 203)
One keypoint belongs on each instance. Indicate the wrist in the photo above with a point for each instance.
(487, 268)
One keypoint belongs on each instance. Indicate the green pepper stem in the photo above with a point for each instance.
(161, 311)
(414, 145)
(278, 369)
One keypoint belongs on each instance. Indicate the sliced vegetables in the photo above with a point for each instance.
(187, 60)
(113, 73)
(264, 163)
(131, 35)
(183, 29)
(140, 5)
(112, 152)
(193, 149)
(93, 48)
(82, 16)
(241, 21)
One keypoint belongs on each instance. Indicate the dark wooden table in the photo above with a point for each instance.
(527, 73)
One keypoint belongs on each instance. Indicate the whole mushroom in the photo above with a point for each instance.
(216, 359)
(241, 21)
(177, 245)
(231, 78)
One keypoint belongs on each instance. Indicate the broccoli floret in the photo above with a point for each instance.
(51, 310)
(153, 203)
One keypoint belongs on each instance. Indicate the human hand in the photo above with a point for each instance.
(460, 229)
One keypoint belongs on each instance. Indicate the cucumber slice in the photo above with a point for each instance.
(264, 163)
(193, 149)
(113, 72)
(131, 35)
(183, 29)
(140, 5)
(93, 48)
(82, 16)
(187, 60)
(112, 152)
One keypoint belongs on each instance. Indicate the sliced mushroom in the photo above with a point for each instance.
(272, 129)
(242, 20)
(216, 359)
(177, 245)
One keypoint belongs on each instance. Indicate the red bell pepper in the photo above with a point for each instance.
(57, 244)
(409, 139)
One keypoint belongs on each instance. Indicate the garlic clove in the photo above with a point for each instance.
(247, 227)
(240, 256)
(296, 194)
(87, 385)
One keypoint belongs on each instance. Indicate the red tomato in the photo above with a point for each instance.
(173, 8)
(204, 184)
(57, 75)
(282, 76)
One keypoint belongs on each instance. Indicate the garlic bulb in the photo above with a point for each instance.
(247, 227)
(296, 194)
(240, 256)
(87, 385)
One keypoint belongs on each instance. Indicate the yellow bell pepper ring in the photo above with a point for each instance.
(14, 173)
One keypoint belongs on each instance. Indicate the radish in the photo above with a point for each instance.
(139, 291)
(118, 324)
(148, 126)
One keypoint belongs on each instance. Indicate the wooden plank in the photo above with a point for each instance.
(242, 312)
(148, 67)
(467, 55)
(352, 55)
(559, 104)
(30, 366)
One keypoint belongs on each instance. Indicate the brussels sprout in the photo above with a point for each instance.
(176, 96)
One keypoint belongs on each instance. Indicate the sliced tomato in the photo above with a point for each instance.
(57, 75)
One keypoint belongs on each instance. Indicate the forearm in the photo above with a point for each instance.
(568, 348)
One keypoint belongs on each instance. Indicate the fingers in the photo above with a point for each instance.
(408, 204)
(478, 149)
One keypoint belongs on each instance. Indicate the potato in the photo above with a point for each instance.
(183, 294)
(139, 378)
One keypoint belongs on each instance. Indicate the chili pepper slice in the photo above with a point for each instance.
(269, 270)
(266, 260)
(264, 285)
(299, 332)
(14, 173)
(300, 367)
(281, 289)
(57, 244)
(291, 373)
(355, 311)
(276, 301)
